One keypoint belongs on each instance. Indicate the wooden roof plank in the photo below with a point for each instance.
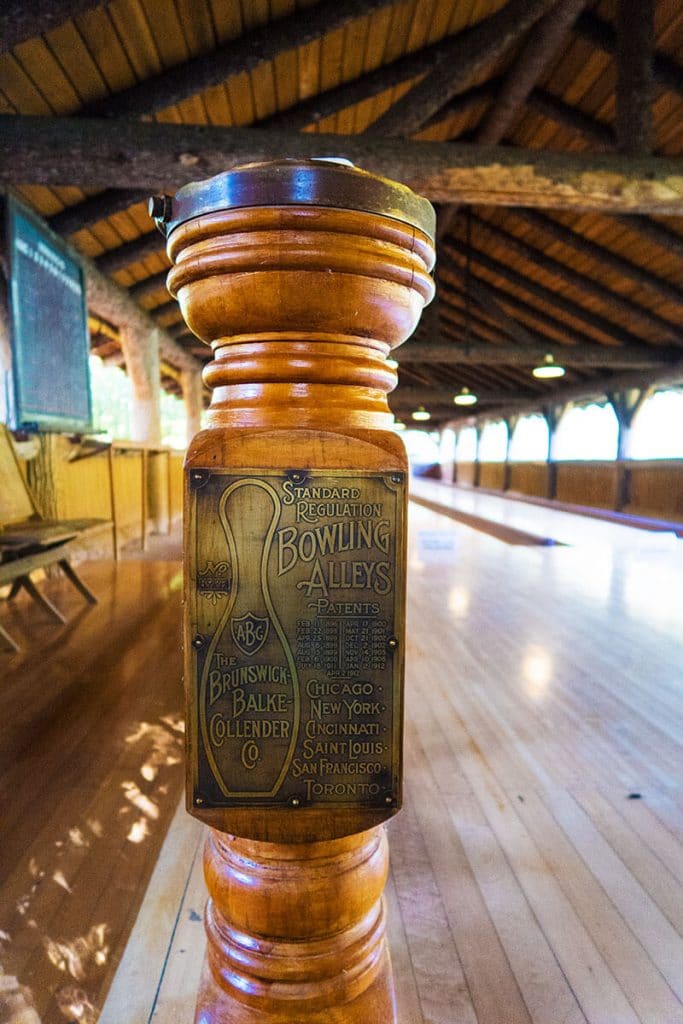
(25, 19)
(161, 89)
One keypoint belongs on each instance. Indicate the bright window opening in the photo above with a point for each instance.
(466, 447)
(173, 421)
(587, 432)
(657, 431)
(529, 442)
(422, 447)
(493, 442)
(112, 400)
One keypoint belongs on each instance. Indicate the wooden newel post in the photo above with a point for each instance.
(303, 276)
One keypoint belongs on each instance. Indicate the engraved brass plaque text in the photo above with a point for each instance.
(296, 609)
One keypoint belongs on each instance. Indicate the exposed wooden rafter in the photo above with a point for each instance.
(667, 72)
(487, 354)
(635, 75)
(472, 51)
(613, 261)
(617, 304)
(77, 151)
(526, 285)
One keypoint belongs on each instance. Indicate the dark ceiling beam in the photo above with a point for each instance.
(95, 208)
(24, 19)
(605, 257)
(600, 135)
(149, 285)
(600, 387)
(297, 117)
(84, 152)
(471, 52)
(668, 73)
(551, 298)
(635, 24)
(244, 54)
(618, 305)
(488, 354)
(127, 253)
(526, 71)
(561, 333)
(530, 65)
(412, 397)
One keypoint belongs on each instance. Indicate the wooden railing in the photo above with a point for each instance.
(649, 488)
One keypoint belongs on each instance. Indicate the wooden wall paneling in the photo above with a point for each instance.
(466, 473)
(492, 474)
(589, 483)
(657, 488)
(529, 478)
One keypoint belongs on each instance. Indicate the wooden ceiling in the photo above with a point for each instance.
(601, 291)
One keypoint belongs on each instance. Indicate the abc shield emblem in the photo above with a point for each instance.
(249, 633)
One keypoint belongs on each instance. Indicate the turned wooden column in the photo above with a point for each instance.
(302, 276)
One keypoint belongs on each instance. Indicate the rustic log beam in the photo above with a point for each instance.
(471, 52)
(137, 249)
(440, 397)
(617, 304)
(599, 388)
(635, 77)
(79, 151)
(95, 208)
(488, 354)
(560, 333)
(244, 54)
(599, 134)
(631, 271)
(23, 19)
(148, 285)
(667, 72)
(552, 298)
(529, 67)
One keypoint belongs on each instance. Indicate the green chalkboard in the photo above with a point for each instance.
(49, 329)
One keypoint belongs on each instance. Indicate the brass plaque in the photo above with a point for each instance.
(296, 610)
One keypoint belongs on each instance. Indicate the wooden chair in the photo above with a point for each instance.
(29, 542)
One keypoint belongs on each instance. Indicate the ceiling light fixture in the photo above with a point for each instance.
(465, 397)
(421, 414)
(548, 369)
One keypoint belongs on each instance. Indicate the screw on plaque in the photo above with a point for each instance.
(392, 642)
(198, 477)
(198, 642)
(397, 478)
(198, 800)
(388, 799)
(294, 801)
(297, 476)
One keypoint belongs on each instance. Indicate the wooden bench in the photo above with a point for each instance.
(29, 542)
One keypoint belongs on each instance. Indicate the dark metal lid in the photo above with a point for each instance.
(322, 181)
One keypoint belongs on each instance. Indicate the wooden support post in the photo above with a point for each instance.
(304, 276)
(553, 414)
(141, 355)
(510, 423)
(626, 404)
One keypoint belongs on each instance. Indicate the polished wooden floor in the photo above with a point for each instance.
(90, 776)
(537, 866)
